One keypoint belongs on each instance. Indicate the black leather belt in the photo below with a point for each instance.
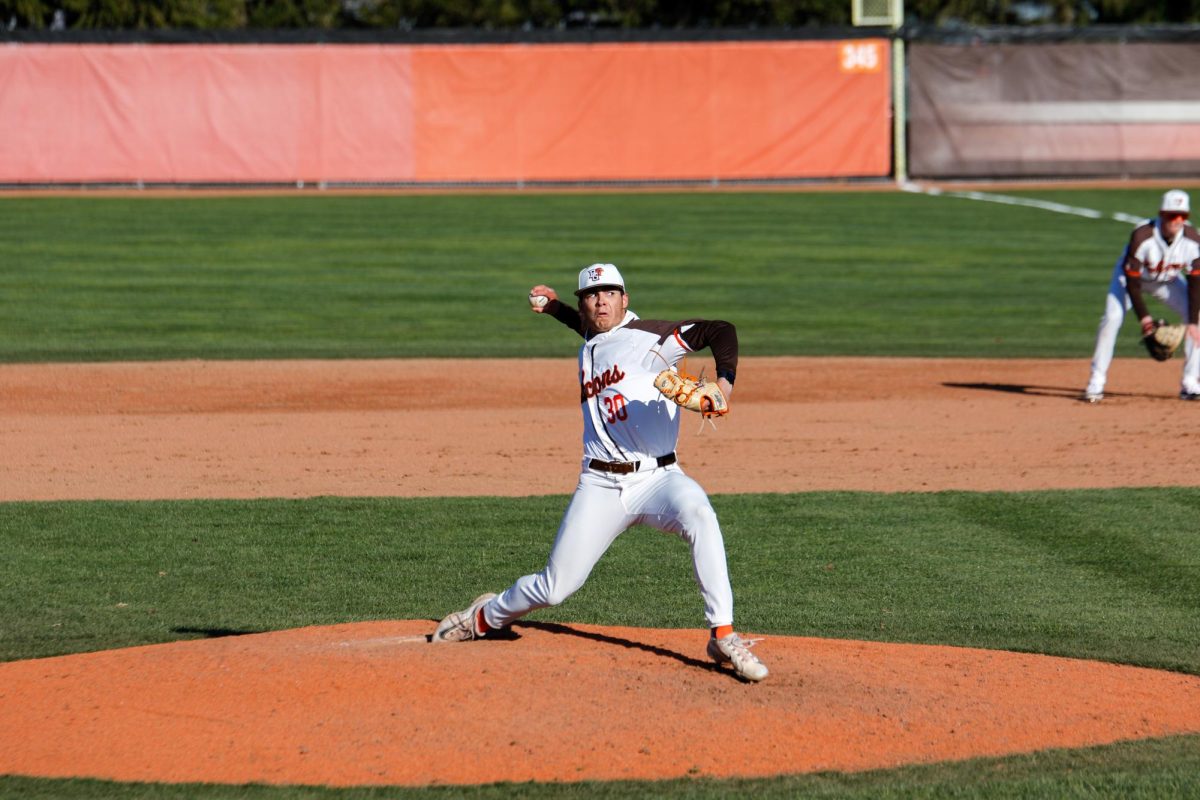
(626, 467)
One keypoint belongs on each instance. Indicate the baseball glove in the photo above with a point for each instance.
(1164, 340)
(699, 396)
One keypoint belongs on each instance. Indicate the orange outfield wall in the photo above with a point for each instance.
(427, 114)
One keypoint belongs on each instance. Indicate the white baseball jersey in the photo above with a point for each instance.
(625, 418)
(1152, 258)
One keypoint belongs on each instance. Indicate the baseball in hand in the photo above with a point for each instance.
(538, 300)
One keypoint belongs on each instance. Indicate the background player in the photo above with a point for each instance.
(1162, 260)
(629, 475)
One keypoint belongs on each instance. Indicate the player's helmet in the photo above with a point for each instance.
(599, 276)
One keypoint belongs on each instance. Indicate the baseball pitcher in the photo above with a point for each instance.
(631, 398)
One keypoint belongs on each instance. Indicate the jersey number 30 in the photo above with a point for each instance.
(615, 406)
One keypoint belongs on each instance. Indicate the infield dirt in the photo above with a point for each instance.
(453, 428)
(373, 703)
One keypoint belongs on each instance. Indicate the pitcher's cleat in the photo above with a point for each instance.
(462, 626)
(735, 650)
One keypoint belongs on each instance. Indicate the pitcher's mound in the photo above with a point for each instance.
(375, 703)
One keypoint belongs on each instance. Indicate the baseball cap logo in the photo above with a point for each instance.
(597, 275)
(1176, 201)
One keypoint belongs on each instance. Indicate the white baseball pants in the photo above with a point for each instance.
(1174, 295)
(603, 507)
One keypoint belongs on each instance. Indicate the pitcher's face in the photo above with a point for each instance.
(603, 309)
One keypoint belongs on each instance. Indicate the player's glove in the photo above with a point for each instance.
(1162, 342)
(701, 396)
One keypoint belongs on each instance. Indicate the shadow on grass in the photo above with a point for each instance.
(214, 633)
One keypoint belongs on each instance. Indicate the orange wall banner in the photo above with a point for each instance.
(203, 113)
(447, 113)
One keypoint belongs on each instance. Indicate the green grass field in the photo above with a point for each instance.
(861, 273)
(1112, 575)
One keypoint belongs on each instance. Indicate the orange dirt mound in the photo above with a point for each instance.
(374, 703)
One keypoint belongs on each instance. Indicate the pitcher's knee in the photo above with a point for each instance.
(555, 592)
(698, 522)
(559, 597)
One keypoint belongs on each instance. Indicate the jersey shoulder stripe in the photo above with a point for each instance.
(661, 328)
(1140, 234)
(1134, 253)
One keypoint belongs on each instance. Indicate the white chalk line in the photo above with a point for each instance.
(1008, 200)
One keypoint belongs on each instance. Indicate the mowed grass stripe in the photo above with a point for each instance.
(94, 278)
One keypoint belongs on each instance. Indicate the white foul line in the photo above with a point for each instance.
(1045, 205)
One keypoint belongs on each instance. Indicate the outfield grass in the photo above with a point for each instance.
(825, 273)
(1072, 573)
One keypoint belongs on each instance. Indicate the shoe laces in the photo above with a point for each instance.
(463, 624)
(742, 647)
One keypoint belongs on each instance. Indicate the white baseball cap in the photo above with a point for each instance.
(1177, 201)
(598, 275)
